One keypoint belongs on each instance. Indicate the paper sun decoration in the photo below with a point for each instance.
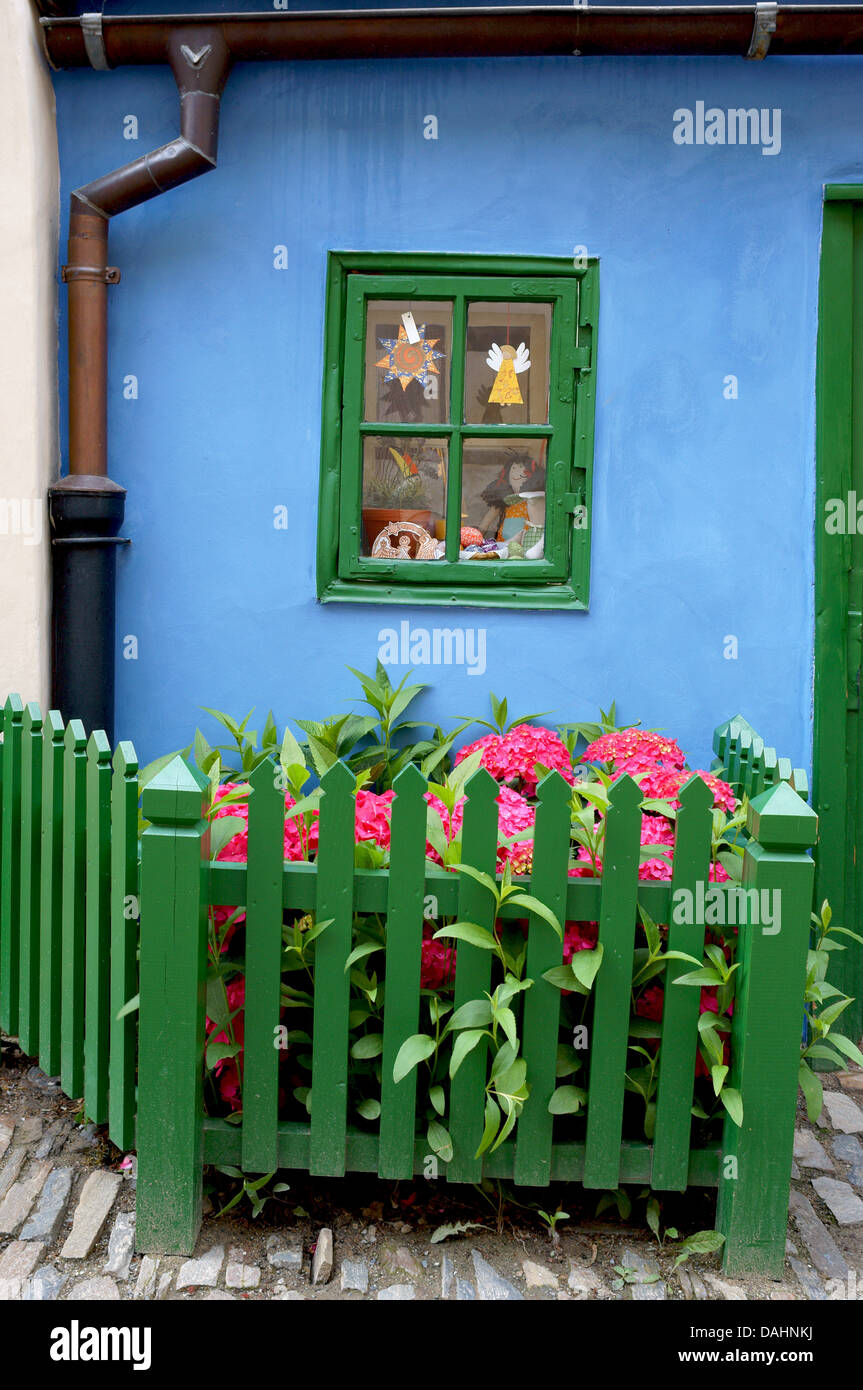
(405, 361)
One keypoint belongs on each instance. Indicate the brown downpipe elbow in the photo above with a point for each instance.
(200, 62)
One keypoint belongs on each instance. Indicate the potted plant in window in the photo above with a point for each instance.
(393, 490)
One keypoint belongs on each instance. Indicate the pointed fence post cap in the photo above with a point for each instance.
(780, 820)
(175, 795)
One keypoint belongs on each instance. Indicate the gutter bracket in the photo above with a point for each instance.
(763, 29)
(94, 42)
(108, 274)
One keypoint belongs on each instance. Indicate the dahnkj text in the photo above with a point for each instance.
(728, 906)
(437, 646)
(738, 126)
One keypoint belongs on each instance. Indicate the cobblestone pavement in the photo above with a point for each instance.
(67, 1231)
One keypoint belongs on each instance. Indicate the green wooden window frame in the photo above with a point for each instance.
(561, 578)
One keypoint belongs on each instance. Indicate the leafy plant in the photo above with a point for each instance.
(251, 1189)
(498, 723)
(823, 1004)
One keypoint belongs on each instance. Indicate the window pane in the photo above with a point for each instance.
(503, 497)
(408, 381)
(404, 497)
(506, 364)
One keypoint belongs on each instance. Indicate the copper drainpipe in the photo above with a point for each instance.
(86, 507)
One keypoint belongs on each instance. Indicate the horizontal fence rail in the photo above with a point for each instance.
(76, 884)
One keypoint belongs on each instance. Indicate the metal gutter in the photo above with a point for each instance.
(537, 30)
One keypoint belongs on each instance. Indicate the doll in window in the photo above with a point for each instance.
(507, 517)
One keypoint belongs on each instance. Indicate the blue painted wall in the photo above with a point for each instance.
(703, 507)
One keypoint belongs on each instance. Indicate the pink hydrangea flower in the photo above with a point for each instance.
(437, 967)
(512, 757)
(634, 751)
(665, 783)
(514, 814)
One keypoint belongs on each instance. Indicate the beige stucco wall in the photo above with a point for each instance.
(28, 349)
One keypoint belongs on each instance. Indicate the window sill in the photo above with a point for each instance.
(550, 596)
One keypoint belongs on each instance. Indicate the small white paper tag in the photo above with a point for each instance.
(410, 327)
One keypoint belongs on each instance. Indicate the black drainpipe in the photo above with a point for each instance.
(86, 507)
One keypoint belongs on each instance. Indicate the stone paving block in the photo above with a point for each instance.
(94, 1203)
(28, 1130)
(447, 1274)
(285, 1252)
(203, 1271)
(648, 1293)
(17, 1264)
(238, 1274)
(43, 1286)
(355, 1275)
(845, 1114)
(812, 1286)
(489, 1284)
(44, 1222)
(848, 1148)
(397, 1293)
(99, 1289)
(15, 1161)
(823, 1251)
(537, 1276)
(732, 1292)
(464, 1291)
(121, 1245)
(18, 1202)
(322, 1260)
(583, 1282)
(809, 1153)
(145, 1286)
(842, 1200)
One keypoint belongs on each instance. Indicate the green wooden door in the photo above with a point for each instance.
(838, 745)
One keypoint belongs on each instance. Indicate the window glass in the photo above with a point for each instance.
(507, 364)
(407, 361)
(404, 497)
(503, 498)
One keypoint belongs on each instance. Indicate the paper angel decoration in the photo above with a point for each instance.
(507, 362)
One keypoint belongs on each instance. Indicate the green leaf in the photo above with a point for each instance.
(220, 1052)
(360, 952)
(370, 1045)
(733, 1102)
(585, 965)
(492, 1124)
(437, 1098)
(130, 1007)
(705, 976)
(477, 874)
(838, 1040)
(652, 1215)
(719, 1074)
(813, 1091)
(476, 1013)
(439, 1141)
(561, 977)
(412, 1051)
(222, 831)
(469, 932)
(464, 1043)
(566, 1100)
(369, 1109)
(538, 908)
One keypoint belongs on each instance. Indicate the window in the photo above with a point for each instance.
(457, 430)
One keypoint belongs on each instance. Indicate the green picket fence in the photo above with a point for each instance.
(744, 760)
(68, 943)
(68, 908)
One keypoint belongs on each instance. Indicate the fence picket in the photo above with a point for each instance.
(10, 881)
(175, 851)
(265, 862)
(681, 1005)
(74, 908)
(610, 1031)
(51, 897)
(97, 1005)
(548, 883)
(335, 877)
(31, 855)
(405, 899)
(473, 973)
(124, 945)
